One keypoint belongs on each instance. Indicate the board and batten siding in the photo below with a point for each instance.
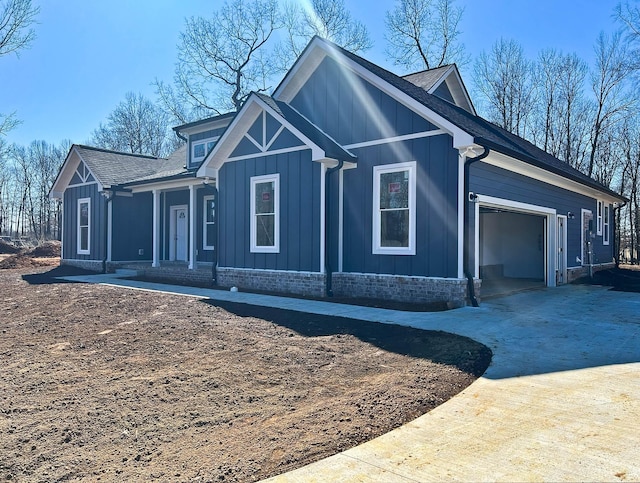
(132, 228)
(300, 180)
(486, 179)
(436, 209)
(97, 249)
(351, 110)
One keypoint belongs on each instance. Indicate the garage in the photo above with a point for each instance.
(512, 250)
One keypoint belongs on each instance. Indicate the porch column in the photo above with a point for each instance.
(156, 229)
(192, 227)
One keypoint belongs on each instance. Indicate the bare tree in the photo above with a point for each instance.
(425, 33)
(503, 80)
(612, 69)
(223, 58)
(135, 126)
(561, 112)
(16, 18)
(328, 19)
(628, 14)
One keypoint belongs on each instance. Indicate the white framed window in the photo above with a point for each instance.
(599, 219)
(84, 226)
(208, 223)
(200, 149)
(394, 209)
(265, 214)
(605, 226)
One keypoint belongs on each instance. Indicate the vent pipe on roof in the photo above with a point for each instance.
(467, 228)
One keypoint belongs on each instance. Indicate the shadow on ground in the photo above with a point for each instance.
(438, 346)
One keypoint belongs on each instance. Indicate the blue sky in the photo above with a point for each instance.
(88, 54)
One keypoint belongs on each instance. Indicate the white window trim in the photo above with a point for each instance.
(198, 142)
(205, 223)
(599, 213)
(79, 250)
(275, 178)
(377, 249)
(606, 222)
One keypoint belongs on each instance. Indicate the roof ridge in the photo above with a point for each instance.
(445, 66)
(111, 151)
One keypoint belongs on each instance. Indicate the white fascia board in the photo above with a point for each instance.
(290, 87)
(207, 126)
(301, 71)
(442, 78)
(238, 128)
(166, 185)
(69, 167)
(317, 153)
(516, 166)
(461, 90)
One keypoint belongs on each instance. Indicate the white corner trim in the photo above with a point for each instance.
(323, 216)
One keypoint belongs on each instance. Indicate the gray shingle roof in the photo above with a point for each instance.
(114, 168)
(427, 78)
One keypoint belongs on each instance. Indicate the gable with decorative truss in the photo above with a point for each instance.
(266, 134)
(82, 176)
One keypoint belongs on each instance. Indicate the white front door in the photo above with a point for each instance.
(178, 233)
(561, 265)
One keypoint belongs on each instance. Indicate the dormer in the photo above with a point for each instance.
(444, 82)
(201, 136)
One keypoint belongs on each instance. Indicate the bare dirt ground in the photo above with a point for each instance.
(105, 383)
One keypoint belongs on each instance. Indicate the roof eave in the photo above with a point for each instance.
(546, 167)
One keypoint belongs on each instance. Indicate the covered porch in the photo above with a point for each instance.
(169, 226)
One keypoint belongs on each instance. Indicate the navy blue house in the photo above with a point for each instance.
(348, 180)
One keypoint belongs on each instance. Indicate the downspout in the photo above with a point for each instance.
(180, 136)
(616, 231)
(467, 228)
(327, 226)
(106, 230)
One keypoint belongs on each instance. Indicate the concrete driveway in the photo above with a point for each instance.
(560, 401)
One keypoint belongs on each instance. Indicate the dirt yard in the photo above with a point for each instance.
(110, 384)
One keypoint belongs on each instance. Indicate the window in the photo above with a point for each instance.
(265, 214)
(209, 222)
(605, 226)
(200, 149)
(394, 209)
(84, 225)
(599, 219)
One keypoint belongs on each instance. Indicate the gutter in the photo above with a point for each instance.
(327, 226)
(469, 198)
(180, 136)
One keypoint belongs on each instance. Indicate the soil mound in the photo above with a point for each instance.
(620, 279)
(8, 248)
(48, 249)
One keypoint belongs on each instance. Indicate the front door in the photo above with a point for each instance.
(178, 233)
(561, 266)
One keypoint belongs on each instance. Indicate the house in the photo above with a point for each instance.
(348, 180)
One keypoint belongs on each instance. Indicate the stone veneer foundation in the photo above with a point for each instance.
(403, 288)
(390, 287)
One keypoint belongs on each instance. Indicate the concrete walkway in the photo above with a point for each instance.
(560, 401)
